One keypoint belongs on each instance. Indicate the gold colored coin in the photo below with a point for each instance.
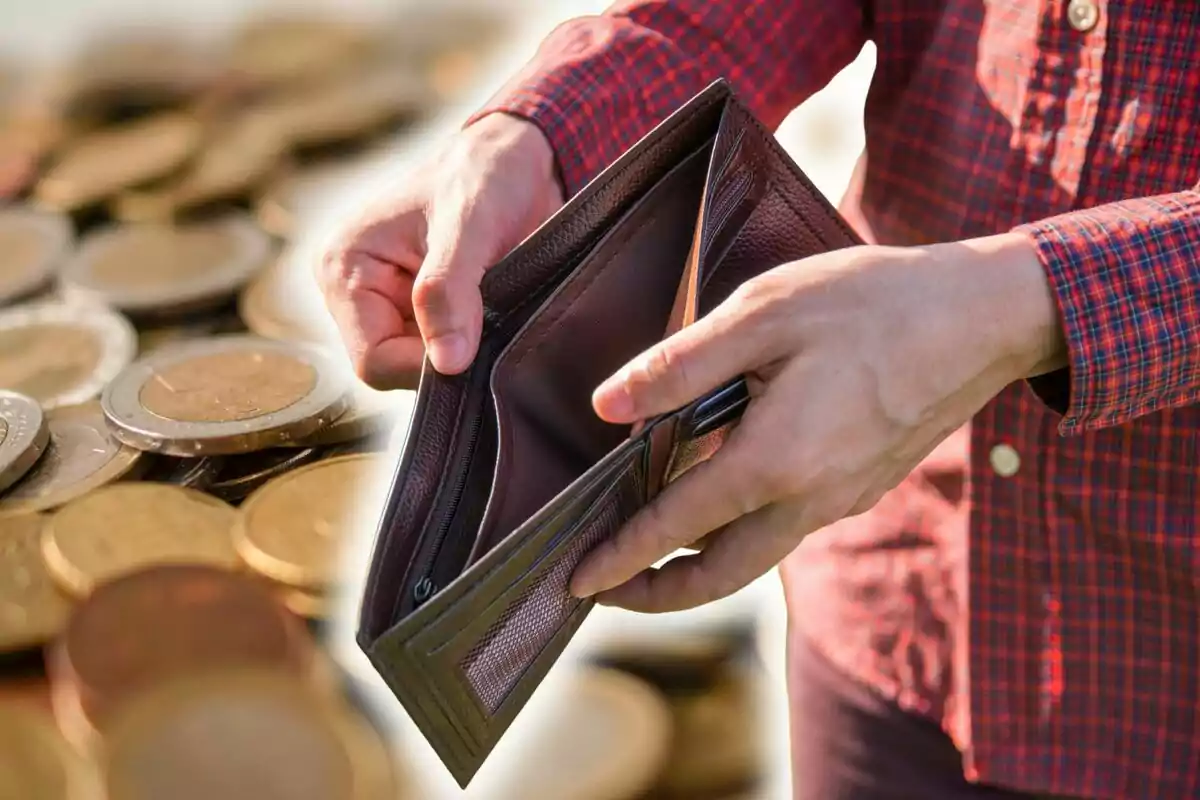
(234, 162)
(224, 395)
(160, 269)
(32, 610)
(620, 734)
(296, 196)
(364, 102)
(61, 354)
(32, 245)
(304, 603)
(270, 307)
(291, 529)
(716, 746)
(123, 527)
(372, 414)
(129, 71)
(245, 735)
(227, 387)
(99, 165)
(24, 145)
(82, 456)
(37, 764)
(281, 50)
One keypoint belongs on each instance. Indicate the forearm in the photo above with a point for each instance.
(1099, 309)
(1125, 279)
(598, 84)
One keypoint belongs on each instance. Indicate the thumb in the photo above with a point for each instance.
(446, 299)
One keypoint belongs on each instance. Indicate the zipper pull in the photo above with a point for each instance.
(423, 590)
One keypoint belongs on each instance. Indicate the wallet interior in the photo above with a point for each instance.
(513, 445)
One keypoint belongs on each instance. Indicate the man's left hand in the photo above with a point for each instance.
(859, 361)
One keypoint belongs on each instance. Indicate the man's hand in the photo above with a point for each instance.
(859, 362)
(405, 276)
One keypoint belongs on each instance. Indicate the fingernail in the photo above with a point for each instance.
(448, 352)
(582, 585)
(612, 401)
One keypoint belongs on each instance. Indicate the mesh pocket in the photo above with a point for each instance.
(513, 642)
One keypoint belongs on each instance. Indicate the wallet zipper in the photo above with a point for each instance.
(425, 587)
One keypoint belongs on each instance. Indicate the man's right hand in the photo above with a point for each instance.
(404, 277)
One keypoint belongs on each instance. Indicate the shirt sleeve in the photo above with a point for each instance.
(598, 84)
(1126, 277)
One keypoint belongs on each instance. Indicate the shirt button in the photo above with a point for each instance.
(1083, 14)
(1005, 460)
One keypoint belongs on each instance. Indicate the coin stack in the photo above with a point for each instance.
(181, 450)
(653, 718)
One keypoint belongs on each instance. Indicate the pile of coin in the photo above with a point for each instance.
(182, 452)
(652, 718)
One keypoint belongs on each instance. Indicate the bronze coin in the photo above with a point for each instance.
(232, 165)
(32, 610)
(272, 307)
(172, 394)
(717, 746)
(36, 763)
(126, 527)
(24, 145)
(620, 735)
(226, 395)
(685, 662)
(242, 474)
(61, 354)
(295, 197)
(291, 529)
(246, 735)
(278, 50)
(188, 329)
(363, 103)
(32, 246)
(161, 269)
(82, 456)
(163, 623)
(372, 415)
(117, 73)
(96, 166)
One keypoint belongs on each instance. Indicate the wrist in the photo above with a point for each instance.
(522, 144)
(1009, 305)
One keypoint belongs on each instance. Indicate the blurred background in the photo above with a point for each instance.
(153, 131)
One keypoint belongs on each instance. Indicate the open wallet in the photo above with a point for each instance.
(508, 478)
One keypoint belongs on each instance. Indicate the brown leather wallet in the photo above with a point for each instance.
(508, 477)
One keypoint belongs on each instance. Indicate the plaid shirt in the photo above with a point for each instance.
(1034, 585)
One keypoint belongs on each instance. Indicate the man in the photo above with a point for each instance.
(1016, 617)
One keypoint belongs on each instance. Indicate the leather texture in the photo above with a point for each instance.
(508, 478)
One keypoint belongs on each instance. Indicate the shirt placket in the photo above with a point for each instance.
(1009, 584)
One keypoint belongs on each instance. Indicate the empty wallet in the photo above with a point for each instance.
(508, 478)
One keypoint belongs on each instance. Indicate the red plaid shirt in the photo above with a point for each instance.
(1034, 586)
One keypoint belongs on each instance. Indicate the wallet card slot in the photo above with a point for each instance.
(613, 306)
(465, 663)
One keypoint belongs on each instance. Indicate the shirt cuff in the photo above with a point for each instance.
(1126, 278)
(581, 92)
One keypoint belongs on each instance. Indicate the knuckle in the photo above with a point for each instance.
(666, 367)
(431, 289)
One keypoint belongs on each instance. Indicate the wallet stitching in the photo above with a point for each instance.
(543, 562)
(442, 484)
(775, 151)
(438, 682)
